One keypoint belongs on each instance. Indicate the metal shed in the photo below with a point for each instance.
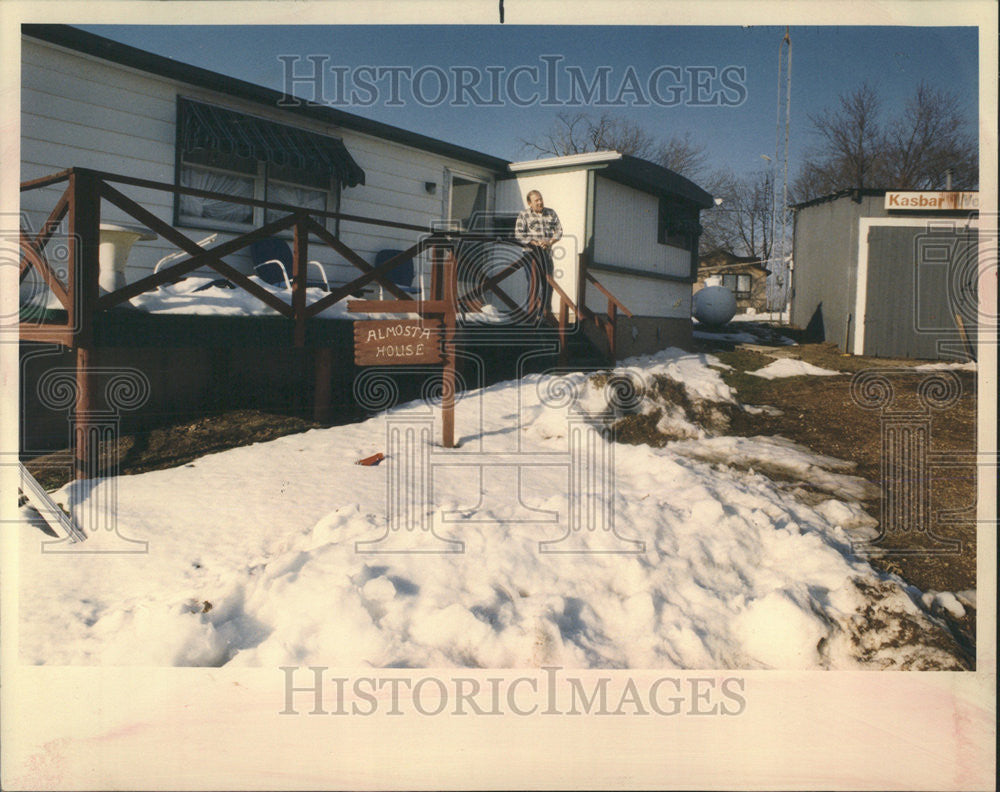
(889, 273)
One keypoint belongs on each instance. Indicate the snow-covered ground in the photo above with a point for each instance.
(969, 365)
(762, 316)
(271, 554)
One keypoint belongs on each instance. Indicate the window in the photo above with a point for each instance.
(738, 284)
(221, 150)
(678, 224)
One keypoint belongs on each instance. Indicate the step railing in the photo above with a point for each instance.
(607, 321)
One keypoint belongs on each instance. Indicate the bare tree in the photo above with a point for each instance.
(743, 222)
(925, 147)
(929, 145)
(682, 155)
(851, 151)
(718, 227)
(579, 133)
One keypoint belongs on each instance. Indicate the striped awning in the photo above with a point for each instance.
(204, 126)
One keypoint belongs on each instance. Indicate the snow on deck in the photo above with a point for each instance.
(196, 295)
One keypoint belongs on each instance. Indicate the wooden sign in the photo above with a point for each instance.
(397, 342)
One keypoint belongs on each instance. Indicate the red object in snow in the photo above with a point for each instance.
(374, 459)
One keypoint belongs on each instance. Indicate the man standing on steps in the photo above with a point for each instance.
(539, 227)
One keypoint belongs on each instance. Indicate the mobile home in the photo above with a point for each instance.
(163, 157)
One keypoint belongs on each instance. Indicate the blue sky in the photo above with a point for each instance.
(826, 61)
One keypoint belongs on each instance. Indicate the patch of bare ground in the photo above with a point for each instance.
(672, 402)
(925, 512)
(883, 636)
(175, 444)
(934, 546)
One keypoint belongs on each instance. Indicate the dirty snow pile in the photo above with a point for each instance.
(789, 367)
(281, 552)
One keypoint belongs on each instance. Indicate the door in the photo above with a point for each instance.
(467, 196)
(919, 279)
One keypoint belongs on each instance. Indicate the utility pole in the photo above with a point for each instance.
(781, 148)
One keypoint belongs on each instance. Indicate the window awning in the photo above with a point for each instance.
(204, 126)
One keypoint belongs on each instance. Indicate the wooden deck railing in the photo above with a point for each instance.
(79, 205)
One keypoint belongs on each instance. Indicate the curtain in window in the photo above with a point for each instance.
(295, 196)
(211, 208)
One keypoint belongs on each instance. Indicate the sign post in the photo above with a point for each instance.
(429, 340)
(448, 375)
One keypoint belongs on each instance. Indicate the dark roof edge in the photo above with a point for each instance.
(651, 175)
(125, 55)
(727, 252)
(856, 193)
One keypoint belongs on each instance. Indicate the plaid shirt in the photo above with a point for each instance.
(534, 225)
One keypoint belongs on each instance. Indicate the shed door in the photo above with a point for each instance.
(917, 281)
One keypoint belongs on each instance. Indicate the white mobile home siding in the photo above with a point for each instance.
(81, 111)
(642, 296)
(625, 235)
(625, 232)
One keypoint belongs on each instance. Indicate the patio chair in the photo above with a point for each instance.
(221, 282)
(272, 261)
(401, 275)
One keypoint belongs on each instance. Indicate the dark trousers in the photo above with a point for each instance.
(541, 261)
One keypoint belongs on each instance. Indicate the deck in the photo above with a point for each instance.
(96, 329)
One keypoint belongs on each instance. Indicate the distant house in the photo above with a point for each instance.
(744, 276)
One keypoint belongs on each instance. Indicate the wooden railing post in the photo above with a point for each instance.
(533, 284)
(612, 328)
(300, 263)
(84, 272)
(437, 292)
(448, 375)
(563, 322)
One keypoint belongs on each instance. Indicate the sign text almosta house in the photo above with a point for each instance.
(389, 342)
